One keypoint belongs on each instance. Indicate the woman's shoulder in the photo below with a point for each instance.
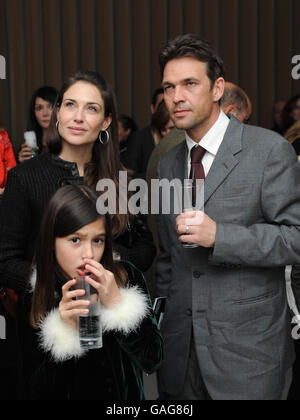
(33, 165)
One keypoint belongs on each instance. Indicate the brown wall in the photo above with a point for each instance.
(44, 41)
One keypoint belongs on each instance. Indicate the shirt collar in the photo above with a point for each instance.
(213, 138)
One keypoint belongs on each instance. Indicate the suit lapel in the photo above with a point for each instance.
(225, 160)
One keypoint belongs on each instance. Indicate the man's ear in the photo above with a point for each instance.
(218, 89)
(229, 109)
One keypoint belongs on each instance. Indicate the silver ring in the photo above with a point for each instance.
(187, 230)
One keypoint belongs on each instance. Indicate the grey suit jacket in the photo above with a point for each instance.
(233, 296)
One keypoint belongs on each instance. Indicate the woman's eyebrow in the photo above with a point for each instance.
(88, 103)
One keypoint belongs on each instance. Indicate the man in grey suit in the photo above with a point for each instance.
(226, 326)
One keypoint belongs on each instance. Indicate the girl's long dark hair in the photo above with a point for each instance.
(105, 162)
(71, 208)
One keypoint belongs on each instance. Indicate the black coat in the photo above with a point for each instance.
(111, 373)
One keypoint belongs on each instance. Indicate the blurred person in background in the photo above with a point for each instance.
(236, 102)
(40, 109)
(277, 116)
(157, 98)
(126, 126)
(7, 158)
(291, 113)
(293, 136)
(143, 142)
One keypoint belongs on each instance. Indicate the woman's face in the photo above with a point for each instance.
(87, 242)
(42, 112)
(81, 115)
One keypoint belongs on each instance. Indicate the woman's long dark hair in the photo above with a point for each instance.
(105, 162)
(71, 208)
(49, 94)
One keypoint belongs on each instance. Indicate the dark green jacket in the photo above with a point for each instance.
(111, 373)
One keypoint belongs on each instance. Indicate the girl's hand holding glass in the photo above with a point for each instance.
(104, 282)
(70, 309)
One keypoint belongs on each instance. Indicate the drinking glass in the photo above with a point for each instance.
(30, 140)
(90, 327)
(193, 200)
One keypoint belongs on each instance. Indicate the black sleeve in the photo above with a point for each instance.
(15, 222)
(136, 245)
(145, 345)
(132, 159)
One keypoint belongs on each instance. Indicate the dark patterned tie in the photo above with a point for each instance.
(197, 169)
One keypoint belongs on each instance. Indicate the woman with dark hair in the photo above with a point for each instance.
(40, 109)
(74, 239)
(291, 113)
(83, 149)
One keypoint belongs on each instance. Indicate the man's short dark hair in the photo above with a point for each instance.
(190, 45)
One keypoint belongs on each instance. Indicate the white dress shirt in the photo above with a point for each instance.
(211, 142)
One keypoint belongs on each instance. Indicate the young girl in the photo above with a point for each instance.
(74, 240)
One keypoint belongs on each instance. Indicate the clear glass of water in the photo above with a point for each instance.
(31, 141)
(193, 200)
(90, 327)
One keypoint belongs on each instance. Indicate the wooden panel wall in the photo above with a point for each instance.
(44, 41)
